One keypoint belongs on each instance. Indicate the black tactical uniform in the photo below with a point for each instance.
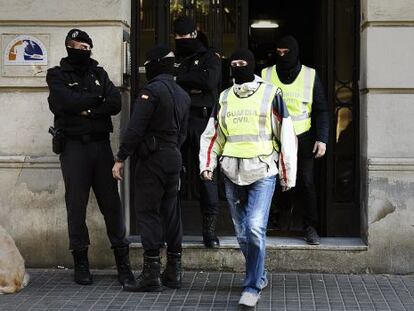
(83, 99)
(156, 131)
(198, 72)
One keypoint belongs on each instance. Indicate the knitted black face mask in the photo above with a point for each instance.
(243, 74)
(186, 47)
(291, 59)
(78, 57)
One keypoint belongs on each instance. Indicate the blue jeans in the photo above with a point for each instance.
(249, 208)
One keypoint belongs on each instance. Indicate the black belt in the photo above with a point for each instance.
(202, 112)
(166, 145)
(86, 138)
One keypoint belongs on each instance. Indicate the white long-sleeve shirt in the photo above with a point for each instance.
(246, 171)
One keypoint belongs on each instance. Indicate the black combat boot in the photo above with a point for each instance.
(125, 276)
(149, 279)
(82, 274)
(311, 236)
(209, 231)
(171, 277)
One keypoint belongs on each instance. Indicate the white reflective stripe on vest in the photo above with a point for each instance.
(301, 117)
(307, 83)
(242, 138)
(269, 73)
(264, 109)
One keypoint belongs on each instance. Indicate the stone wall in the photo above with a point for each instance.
(32, 205)
(387, 112)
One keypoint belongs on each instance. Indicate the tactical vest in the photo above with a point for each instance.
(298, 95)
(246, 122)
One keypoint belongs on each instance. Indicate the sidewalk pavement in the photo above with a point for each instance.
(55, 290)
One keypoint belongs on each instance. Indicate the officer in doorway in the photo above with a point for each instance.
(198, 71)
(305, 99)
(83, 99)
(157, 130)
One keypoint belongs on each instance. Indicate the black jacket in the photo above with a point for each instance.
(199, 75)
(320, 115)
(72, 92)
(161, 111)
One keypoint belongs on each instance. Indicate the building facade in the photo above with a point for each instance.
(362, 51)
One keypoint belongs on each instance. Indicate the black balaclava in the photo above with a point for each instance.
(188, 46)
(288, 66)
(157, 63)
(246, 73)
(184, 25)
(78, 58)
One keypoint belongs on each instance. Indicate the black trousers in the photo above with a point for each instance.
(156, 190)
(305, 193)
(86, 165)
(208, 189)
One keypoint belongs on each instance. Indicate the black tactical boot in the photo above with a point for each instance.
(209, 231)
(125, 275)
(311, 236)
(82, 273)
(171, 277)
(149, 279)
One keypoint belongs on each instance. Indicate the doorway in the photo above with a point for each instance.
(328, 34)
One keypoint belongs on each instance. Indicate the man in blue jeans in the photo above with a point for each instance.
(253, 135)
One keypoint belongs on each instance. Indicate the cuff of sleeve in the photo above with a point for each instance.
(210, 169)
(322, 139)
(290, 183)
(120, 157)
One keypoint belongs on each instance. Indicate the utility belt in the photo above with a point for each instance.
(87, 138)
(200, 112)
(152, 144)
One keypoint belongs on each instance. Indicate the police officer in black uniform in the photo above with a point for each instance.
(157, 129)
(198, 71)
(83, 99)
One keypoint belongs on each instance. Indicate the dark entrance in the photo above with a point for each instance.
(327, 31)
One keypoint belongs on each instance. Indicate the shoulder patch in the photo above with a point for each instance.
(145, 95)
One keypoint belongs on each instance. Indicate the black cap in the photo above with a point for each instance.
(184, 25)
(157, 53)
(78, 35)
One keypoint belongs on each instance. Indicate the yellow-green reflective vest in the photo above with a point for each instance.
(298, 95)
(246, 122)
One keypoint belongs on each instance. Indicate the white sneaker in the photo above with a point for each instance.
(265, 282)
(249, 299)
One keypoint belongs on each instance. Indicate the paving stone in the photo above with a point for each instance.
(54, 290)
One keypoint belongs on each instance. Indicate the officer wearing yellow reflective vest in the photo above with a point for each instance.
(251, 132)
(304, 96)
